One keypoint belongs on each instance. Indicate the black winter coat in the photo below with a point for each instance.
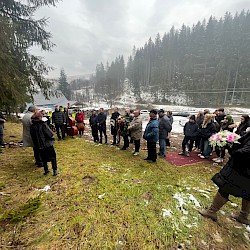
(241, 130)
(93, 121)
(191, 129)
(42, 136)
(234, 178)
(101, 119)
(58, 118)
(205, 133)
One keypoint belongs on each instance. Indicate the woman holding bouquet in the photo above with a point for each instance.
(233, 179)
(226, 124)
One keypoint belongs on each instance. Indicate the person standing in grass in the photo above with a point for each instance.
(43, 139)
(226, 124)
(93, 125)
(233, 179)
(190, 132)
(151, 135)
(101, 123)
(165, 128)
(135, 129)
(59, 120)
(207, 129)
(113, 124)
(27, 140)
(2, 121)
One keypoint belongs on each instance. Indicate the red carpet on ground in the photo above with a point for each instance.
(181, 160)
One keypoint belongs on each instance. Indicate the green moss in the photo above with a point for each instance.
(23, 211)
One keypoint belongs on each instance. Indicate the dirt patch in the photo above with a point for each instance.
(89, 180)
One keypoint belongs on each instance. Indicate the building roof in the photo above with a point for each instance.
(58, 99)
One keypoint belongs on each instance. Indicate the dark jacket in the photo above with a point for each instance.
(93, 121)
(234, 178)
(191, 129)
(219, 118)
(241, 130)
(58, 117)
(113, 122)
(164, 127)
(42, 136)
(151, 132)
(225, 126)
(205, 133)
(101, 119)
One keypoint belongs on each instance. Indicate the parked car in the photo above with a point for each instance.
(144, 112)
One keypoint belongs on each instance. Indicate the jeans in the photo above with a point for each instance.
(206, 149)
(163, 145)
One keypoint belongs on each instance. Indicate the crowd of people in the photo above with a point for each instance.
(233, 179)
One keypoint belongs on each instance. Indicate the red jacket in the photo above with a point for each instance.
(80, 117)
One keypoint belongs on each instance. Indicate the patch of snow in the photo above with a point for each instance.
(192, 198)
(166, 213)
(101, 196)
(45, 189)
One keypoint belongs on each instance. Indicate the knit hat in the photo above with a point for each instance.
(161, 111)
(229, 117)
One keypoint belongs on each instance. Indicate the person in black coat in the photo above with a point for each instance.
(165, 128)
(190, 132)
(101, 123)
(226, 124)
(113, 123)
(43, 140)
(93, 125)
(58, 118)
(244, 124)
(233, 179)
(207, 129)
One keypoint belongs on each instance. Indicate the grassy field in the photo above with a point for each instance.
(105, 198)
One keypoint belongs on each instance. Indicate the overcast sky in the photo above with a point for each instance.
(87, 32)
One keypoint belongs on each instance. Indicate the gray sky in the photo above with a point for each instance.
(87, 32)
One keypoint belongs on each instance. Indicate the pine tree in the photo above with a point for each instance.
(21, 73)
(63, 84)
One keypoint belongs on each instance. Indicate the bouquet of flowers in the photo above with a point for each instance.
(224, 139)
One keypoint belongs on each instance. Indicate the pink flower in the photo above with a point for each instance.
(230, 138)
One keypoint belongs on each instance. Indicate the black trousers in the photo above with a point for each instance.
(151, 151)
(60, 127)
(95, 133)
(137, 145)
(187, 140)
(49, 155)
(38, 157)
(220, 152)
(126, 141)
(102, 130)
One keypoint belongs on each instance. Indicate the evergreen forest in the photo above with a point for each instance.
(209, 63)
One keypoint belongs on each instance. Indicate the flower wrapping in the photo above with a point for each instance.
(223, 139)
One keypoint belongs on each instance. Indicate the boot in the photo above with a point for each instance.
(245, 210)
(218, 202)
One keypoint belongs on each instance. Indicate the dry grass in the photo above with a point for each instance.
(106, 199)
